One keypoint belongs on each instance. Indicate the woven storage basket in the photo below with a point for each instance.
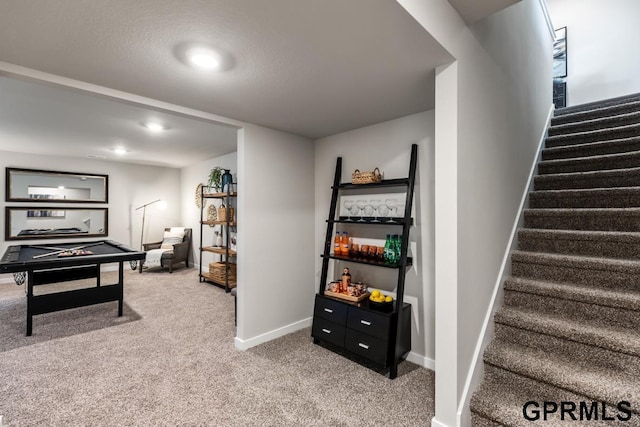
(223, 212)
(367, 177)
(217, 270)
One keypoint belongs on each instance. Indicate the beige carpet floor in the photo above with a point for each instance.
(170, 361)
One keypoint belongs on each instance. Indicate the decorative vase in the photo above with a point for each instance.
(227, 180)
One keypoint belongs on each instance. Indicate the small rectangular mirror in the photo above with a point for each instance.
(48, 222)
(31, 185)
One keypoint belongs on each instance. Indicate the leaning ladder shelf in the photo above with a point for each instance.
(228, 282)
(354, 329)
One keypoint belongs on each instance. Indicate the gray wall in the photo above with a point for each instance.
(387, 146)
(486, 140)
(275, 234)
(602, 47)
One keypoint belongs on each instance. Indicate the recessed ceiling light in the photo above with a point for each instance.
(154, 126)
(205, 59)
(60, 187)
(120, 151)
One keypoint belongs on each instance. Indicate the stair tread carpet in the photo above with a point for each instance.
(595, 124)
(586, 198)
(614, 298)
(578, 261)
(603, 219)
(619, 339)
(600, 178)
(606, 111)
(598, 105)
(591, 163)
(626, 131)
(607, 244)
(501, 399)
(592, 149)
(548, 368)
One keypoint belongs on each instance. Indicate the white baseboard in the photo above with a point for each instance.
(436, 423)
(271, 335)
(476, 370)
(421, 360)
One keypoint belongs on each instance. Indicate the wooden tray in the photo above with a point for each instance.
(346, 297)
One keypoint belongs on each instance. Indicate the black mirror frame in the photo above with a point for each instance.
(7, 225)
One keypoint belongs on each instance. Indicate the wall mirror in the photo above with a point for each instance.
(31, 185)
(48, 222)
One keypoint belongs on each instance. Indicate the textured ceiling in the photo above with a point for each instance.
(310, 67)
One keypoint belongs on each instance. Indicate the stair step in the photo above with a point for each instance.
(595, 124)
(586, 198)
(591, 305)
(607, 111)
(584, 355)
(591, 163)
(597, 383)
(607, 219)
(628, 131)
(597, 105)
(628, 177)
(615, 146)
(608, 244)
(503, 394)
(589, 271)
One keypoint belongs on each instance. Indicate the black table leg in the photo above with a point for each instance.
(29, 304)
(121, 286)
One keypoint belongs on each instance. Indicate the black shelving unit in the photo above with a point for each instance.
(226, 253)
(353, 328)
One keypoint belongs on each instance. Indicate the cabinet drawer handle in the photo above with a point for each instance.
(326, 331)
(366, 347)
(328, 310)
(365, 322)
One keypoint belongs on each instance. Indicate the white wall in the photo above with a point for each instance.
(190, 177)
(602, 47)
(129, 187)
(501, 82)
(275, 234)
(387, 146)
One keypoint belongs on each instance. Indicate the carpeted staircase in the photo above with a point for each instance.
(569, 329)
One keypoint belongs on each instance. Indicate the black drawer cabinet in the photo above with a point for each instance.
(364, 332)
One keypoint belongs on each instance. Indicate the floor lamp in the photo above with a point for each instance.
(134, 264)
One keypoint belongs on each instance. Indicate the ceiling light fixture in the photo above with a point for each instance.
(154, 126)
(205, 59)
(120, 151)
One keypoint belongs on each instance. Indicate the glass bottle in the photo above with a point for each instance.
(337, 251)
(387, 249)
(345, 244)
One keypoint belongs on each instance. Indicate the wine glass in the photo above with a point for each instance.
(375, 204)
(368, 210)
(348, 204)
(391, 204)
(361, 204)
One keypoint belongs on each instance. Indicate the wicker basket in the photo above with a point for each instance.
(368, 177)
(217, 271)
(224, 212)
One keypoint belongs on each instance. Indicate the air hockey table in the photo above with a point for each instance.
(63, 262)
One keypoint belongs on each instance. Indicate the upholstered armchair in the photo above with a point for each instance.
(169, 257)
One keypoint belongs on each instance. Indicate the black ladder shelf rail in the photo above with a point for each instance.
(404, 261)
